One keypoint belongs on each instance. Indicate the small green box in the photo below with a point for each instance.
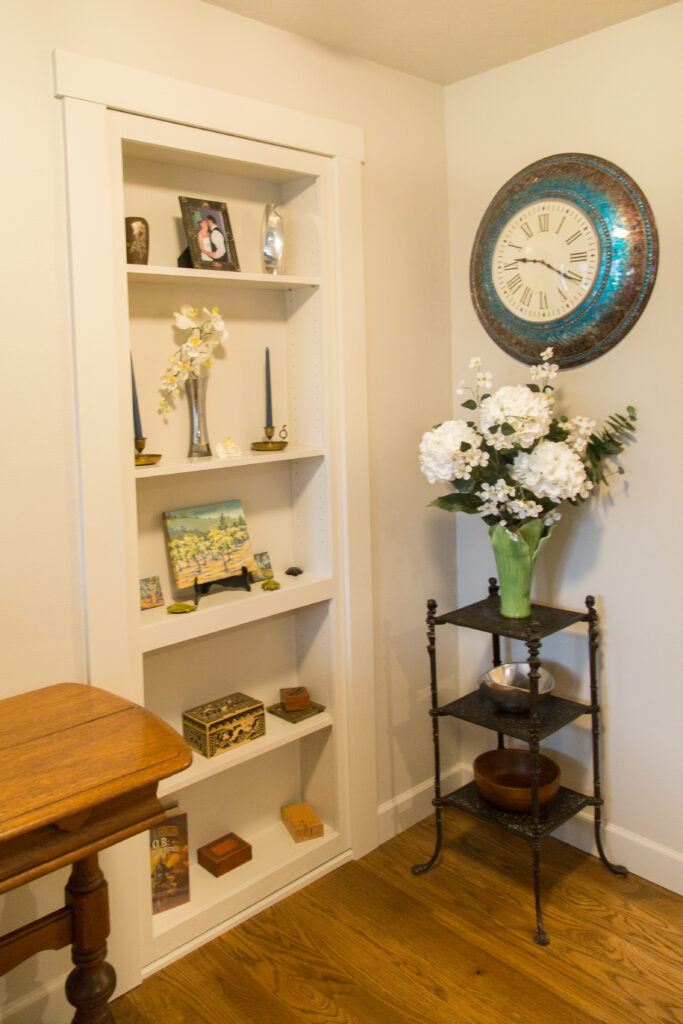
(223, 724)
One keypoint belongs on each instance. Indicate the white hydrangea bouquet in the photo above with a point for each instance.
(192, 359)
(516, 464)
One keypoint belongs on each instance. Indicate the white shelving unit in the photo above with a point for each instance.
(306, 506)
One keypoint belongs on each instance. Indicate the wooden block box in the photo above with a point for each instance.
(223, 724)
(224, 854)
(295, 698)
(302, 822)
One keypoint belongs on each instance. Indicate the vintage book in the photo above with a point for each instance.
(224, 854)
(302, 822)
(295, 698)
(223, 724)
(169, 863)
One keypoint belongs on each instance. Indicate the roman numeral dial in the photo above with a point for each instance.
(546, 260)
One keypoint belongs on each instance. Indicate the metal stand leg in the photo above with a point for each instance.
(419, 869)
(541, 939)
(593, 647)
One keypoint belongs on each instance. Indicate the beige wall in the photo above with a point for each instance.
(405, 255)
(619, 94)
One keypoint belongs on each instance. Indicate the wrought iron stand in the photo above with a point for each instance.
(545, 717)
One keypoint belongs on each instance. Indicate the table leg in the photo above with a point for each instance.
(92, 981)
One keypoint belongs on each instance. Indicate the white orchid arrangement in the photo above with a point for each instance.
(520, 461)
(192, 358)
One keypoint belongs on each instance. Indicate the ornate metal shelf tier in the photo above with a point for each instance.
(485, 616)
(553, 714)
(546, 715)
(561, 808)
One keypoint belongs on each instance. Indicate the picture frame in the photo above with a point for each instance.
(151, 595)
(208, 543)
(210, 241)
(264, 570)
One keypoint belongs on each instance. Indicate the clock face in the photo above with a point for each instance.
(565, 256)
(545, 260)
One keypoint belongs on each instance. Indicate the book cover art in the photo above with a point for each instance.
(169, 863)
(209, 542)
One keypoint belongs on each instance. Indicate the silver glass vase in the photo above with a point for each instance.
(273, 240)
(196, 397)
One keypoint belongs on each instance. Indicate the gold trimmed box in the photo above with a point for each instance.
(223, 724)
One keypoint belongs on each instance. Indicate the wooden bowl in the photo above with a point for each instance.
(504, 778)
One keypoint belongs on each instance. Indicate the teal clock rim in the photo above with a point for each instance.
(607, 195)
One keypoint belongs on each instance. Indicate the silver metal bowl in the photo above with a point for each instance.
(507, 686)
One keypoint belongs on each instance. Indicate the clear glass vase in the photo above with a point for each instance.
(196, 398)
(273, 240)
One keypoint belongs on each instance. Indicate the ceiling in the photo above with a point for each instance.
(442, 41)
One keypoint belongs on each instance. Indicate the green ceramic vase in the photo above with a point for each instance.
(515, 561)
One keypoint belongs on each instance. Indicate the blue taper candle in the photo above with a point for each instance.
(136, 408)
(269, 400)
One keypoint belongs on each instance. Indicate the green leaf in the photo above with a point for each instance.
(464, 486)
(469, 404)
(508, 429)
(465, 446)
(533, 387)
(468, 503)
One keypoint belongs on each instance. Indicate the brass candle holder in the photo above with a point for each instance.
(269, 445)
(140, 458)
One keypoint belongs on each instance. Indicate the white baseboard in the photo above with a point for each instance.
(640, 855)
(44, 1004)
(414, 804)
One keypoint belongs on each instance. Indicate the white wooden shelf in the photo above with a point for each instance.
(276, 861)
(174, 466)
(226, 609)
(230, 278)
(317, 628)
(278, 734)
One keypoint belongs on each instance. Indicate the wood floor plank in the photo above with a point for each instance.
(590, 960)
(371, 943)
(310, 976)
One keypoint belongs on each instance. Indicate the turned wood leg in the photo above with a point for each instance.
(92, 981)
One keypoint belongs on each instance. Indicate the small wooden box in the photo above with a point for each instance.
(224, 854)
(295, 698)
(223, 724)
(302, 821)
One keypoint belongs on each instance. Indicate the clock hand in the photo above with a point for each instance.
(568, 274)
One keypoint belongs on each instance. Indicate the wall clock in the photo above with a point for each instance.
(565, 255)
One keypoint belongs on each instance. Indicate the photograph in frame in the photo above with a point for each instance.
(210, 240)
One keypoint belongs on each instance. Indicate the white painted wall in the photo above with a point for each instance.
(406, 286)
(617, 93)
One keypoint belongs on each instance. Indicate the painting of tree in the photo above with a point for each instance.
(208, 543)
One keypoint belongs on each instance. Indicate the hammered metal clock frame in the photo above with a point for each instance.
(626, 274)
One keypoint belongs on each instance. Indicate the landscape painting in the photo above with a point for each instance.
(208, 543)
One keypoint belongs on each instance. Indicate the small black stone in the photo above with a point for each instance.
(293, 570)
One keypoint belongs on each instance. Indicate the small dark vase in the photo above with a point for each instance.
(137, 240)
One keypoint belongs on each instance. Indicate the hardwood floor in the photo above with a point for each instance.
(372, 944)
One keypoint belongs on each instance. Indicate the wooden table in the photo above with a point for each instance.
(79, 769)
